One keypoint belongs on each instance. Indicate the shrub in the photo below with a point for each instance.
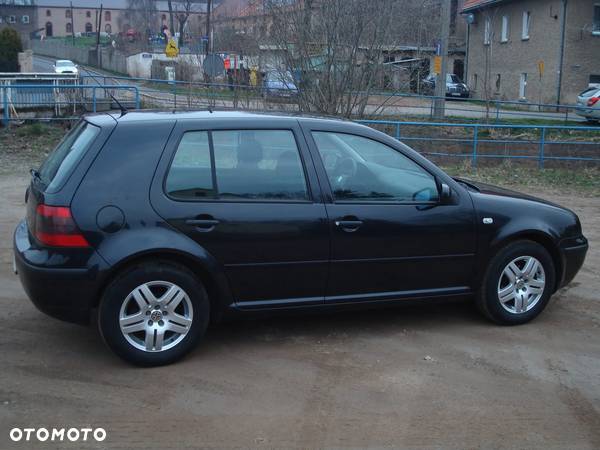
(10, 46)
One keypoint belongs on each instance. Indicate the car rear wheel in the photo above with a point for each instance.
(518, 283)
(153, 313)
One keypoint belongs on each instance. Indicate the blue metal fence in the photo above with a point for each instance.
(19, 98)
(533, 145)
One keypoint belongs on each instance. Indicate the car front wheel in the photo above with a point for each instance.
(518, 283)
(153, 313)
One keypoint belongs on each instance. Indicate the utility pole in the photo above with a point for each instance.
(172, 27)
(440, 82)
(208, 36)
(72, 24)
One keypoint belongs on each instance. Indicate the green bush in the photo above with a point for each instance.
(10, 46)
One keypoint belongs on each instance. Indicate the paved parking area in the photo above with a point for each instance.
(418, 377)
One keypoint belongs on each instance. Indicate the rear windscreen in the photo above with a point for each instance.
(66, 155)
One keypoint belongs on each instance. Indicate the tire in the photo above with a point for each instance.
(527, 297)
(153, 313)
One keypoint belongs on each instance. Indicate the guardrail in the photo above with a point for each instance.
(531, 142)
(19, 98)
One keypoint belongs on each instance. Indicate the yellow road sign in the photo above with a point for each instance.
(171, 50)
(437, 64)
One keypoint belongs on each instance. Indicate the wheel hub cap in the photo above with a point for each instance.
(156, 315)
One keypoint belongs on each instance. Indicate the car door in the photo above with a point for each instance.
(247, 192)
(392, 237)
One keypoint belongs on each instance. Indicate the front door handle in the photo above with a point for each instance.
(203, 225)
(349, 226)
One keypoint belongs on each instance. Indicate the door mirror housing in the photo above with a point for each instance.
(445, 193)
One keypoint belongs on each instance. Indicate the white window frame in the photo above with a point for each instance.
(526, 25)
(523, 86)
(487, 31)
(595, 25)
(504, 36)
(12, 19)
(25, 19)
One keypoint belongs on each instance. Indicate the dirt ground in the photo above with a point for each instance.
(420, 377)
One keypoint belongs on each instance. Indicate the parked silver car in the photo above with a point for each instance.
(588, 103)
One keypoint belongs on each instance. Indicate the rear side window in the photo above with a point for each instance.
(237, 165)
(66, 155)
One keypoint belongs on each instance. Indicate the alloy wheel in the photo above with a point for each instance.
(156, 316)
(521, 284)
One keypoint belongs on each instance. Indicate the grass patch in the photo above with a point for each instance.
(583, 180)
(26, 146)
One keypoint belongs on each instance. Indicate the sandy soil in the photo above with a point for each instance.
(418, 377)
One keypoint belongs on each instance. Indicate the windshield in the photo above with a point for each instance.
(64, 63)
(451, 78)
(589, 92)
(68, 152)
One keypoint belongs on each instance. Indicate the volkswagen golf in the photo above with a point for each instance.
(154, 224)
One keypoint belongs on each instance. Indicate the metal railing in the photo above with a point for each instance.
(17, 99)
(481, 141)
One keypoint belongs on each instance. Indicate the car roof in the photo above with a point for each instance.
(155, 115)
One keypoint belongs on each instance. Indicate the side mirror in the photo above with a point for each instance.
(445, 192)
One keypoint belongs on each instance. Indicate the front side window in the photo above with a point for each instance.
(241, 165)
(361, 169)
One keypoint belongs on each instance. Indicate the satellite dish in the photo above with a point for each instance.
(470, 18)
(213, 65)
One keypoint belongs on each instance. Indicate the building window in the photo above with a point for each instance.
(108, 28)
(49, 31)
(474, 85)
(498, 82)
(25, 19)
(487, 31)
(596, 24)
(526, 23)
(88, 14)
(523, 86)
(48, 13)
(504, 37)
(88, 27)
(69, 27)
(163, 17)
(107, 16)
(68, 13)
(12, 19)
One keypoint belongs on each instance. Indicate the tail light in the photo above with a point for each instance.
(55, 227)
(592, 101)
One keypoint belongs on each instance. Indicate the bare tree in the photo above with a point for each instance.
(142, 15)
(336, 48)
(182, 11)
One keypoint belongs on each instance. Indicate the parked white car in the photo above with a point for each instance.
(65, 66)
(588, 103)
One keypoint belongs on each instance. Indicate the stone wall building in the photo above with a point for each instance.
(532, 50)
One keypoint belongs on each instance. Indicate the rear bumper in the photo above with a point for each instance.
(56, 281)
(573, 253)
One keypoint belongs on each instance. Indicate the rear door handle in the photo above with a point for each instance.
(203, 225)
(349, 225)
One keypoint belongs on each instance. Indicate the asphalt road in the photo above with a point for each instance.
(415, 377)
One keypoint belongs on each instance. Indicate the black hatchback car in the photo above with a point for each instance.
(156, 223)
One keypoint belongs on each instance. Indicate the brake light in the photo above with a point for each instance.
(592, 101)
(54, 226)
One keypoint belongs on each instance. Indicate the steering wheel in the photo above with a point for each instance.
(345, 169)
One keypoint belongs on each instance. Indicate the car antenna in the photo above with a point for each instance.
(121, 107)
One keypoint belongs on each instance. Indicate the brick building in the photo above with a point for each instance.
(18, 14)
(532, 50)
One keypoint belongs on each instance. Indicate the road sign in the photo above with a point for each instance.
(213, 65)
(437, 64)
(541, 68)
(171, 50)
